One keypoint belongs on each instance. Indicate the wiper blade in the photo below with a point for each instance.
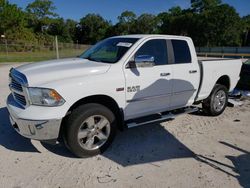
(89, 58)
(96, 60)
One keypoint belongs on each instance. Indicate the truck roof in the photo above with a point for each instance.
(151, 35)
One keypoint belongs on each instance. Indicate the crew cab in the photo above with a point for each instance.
(120, 82)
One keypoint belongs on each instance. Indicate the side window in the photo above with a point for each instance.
(181, 51)
(156, 48)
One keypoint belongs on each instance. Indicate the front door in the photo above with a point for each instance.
(148, 89)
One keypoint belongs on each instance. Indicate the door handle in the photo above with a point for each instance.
(165, 74)
(192, 71)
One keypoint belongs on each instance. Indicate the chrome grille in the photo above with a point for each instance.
(15, 85)
(20, 98)
(17, 81)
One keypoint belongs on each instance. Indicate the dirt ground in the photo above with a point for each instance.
(191, 151)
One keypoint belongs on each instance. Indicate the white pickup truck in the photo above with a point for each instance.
(120, 82)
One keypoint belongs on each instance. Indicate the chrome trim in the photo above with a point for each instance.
(15, 90)
(45, 129)
(18, 76)
(159, 96)
(193, 71)
(163, 117)
(18, 86)
(37, 129)
(165, 74)
(145, 64)
(15, 84)
(144, 58)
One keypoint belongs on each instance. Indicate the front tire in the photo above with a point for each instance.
(217, 101)
(90, 129)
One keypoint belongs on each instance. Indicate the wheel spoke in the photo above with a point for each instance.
(102, 123)
(222, 95)
(94, 132)
(90, 121)
(219, 100)
(101, 136)
(90, 142)
(82, 134)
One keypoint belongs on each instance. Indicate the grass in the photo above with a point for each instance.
(38, 56)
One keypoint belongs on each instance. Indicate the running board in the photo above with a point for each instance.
(170, 115)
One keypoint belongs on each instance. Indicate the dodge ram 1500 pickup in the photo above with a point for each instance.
(120, 82)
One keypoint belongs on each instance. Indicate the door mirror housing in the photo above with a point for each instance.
(144, 61)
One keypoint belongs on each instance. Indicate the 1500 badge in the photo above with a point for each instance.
(133, 89)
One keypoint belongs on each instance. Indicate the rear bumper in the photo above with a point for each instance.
(43, 130)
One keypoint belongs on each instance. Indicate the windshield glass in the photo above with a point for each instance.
(109, 50)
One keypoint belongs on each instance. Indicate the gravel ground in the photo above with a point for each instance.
(191, 151)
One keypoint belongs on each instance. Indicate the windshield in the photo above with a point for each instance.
(109, 50)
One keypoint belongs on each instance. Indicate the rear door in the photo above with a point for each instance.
(186, 74)
(148, 89)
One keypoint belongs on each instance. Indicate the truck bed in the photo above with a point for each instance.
(212, 58)
(214, 68)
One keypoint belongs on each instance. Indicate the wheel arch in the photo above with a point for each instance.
(225, 81)
(104, 100)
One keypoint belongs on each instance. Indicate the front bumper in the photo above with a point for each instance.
(43, 130)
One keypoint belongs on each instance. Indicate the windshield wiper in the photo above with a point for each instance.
(89, 58)
(96, 60)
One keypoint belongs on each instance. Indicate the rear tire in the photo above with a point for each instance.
(90, 129)
(217, 101)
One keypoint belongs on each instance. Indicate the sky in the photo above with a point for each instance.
(111, 9)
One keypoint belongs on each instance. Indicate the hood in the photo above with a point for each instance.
(54, 70)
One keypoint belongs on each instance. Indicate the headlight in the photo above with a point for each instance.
(45, 97)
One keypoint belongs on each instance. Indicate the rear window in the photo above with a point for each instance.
(181, 51)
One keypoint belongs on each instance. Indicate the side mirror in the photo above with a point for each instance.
(145, 61)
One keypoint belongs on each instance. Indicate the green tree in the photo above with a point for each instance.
(114, 30)
(183, 24)
(207, 22)
(127, 21)
(202, 5)
(71, 28)
(222, 26)
(175, 11)
(166, 20)
(64, 29)
(216, 25)
(246, 30)
(41, 13)
(13, 22)
(92, 28)
(10, 16)
(146, 24)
